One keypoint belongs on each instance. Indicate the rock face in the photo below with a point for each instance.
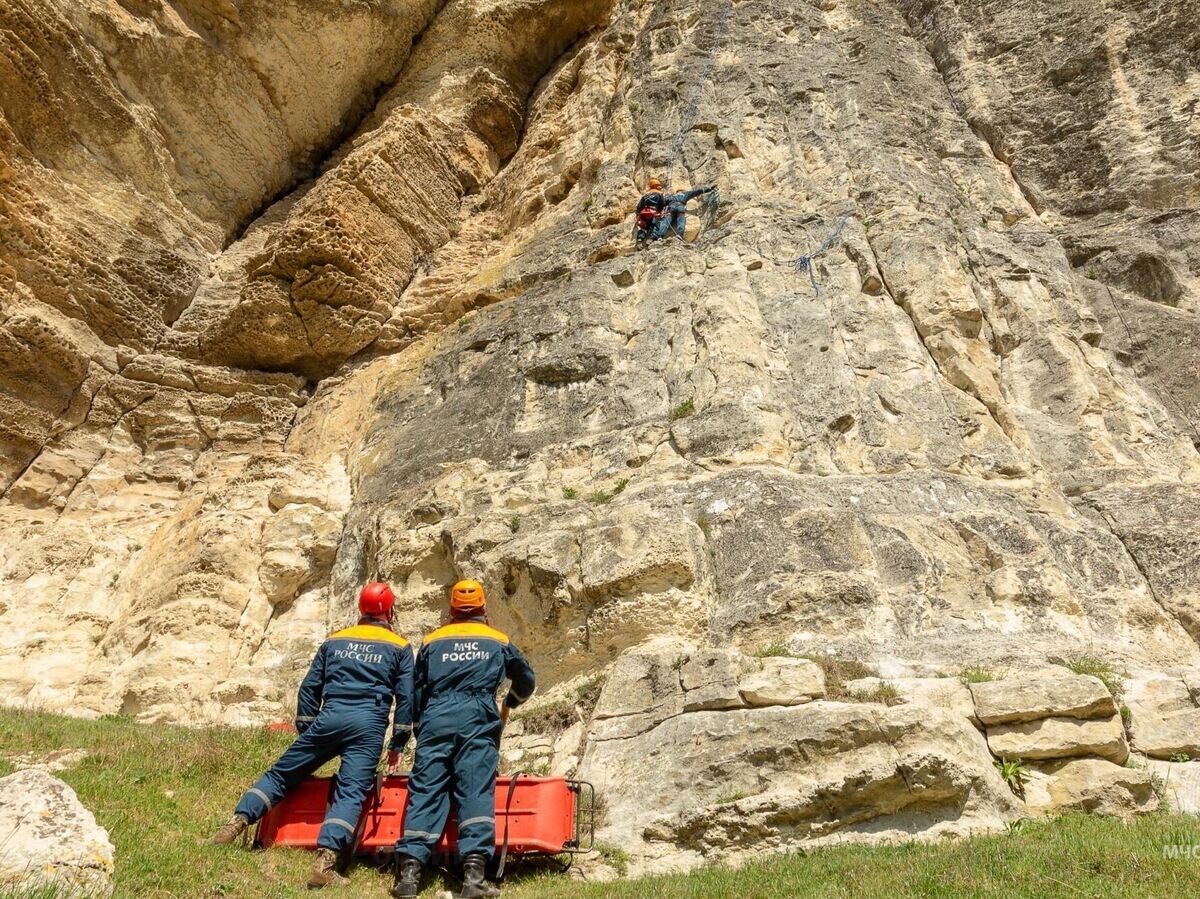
(50, 838)
(294, 295)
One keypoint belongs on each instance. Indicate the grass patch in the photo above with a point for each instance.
(570, 493)
(514, 523)
(884, 692)
(683, 410)
(730, 798)
(975, 675)
(771, 650)
(1075, 855)
(555, 717)
(837, 672)
(1112, 679)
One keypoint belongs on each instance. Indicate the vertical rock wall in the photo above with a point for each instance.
(434, 352)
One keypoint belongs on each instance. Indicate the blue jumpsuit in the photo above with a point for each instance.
(675, 218)
(459, 669)
(342, 709)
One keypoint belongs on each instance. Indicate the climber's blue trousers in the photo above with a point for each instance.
(352, 729)
(458, 752)
(671, 222)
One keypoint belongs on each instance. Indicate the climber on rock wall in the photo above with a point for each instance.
(674, 218)
(342, 710)
(649, 208)
(459, 669)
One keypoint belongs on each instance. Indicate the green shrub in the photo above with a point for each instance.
(683, 410)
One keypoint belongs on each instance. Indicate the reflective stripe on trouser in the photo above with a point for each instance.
(355, 732)
(457, 754)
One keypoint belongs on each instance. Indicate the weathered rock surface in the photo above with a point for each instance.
(50, 839)
(1092, 785)
(724, 783)
(1060, 738)
(1015, 699)
(290, 299)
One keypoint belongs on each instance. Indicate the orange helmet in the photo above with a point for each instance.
(654, 184)
(467, 597)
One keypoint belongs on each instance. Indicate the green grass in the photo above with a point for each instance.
(975, 675)
(772, 650)
(161, 790)
(837, 672)
(1072, 856)
(683, 410)
(883, 692)
(1113, 680)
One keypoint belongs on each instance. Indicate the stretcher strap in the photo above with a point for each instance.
(512, 786)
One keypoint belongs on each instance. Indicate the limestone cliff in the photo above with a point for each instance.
(294, 295)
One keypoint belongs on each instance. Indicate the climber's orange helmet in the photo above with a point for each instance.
(466, 598)
(654, 184)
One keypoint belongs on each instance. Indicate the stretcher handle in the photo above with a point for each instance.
(512, 787)
(576, 844)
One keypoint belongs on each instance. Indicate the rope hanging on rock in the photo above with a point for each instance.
(693, 108)
(807, 261)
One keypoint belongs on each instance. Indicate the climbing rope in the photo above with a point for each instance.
(688, 121)
(806, 262)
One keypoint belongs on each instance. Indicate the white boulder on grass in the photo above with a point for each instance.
(47, 837)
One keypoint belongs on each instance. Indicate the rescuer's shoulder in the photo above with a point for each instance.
(369, 632)
(466, 629)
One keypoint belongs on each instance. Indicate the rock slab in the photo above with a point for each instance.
(50, 838)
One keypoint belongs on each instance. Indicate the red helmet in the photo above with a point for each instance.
(376, 600)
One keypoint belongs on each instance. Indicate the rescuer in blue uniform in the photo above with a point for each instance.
(674, 218)
(459, 669)
(342, 710)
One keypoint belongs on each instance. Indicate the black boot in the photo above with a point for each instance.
(474, 886)
(408, 878)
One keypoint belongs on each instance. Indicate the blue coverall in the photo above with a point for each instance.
(342, 709)
(675, 218)
(459, 668)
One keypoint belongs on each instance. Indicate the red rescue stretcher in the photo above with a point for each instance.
(534, 815)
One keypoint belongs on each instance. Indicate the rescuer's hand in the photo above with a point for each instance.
(393, 761)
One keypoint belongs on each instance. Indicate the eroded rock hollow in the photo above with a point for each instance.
(294, 295)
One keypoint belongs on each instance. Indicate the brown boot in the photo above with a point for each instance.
(230, 831)
(324, 873)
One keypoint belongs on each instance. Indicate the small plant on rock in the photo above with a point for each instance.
(1181, 757)
(514, 523)
(885, 693)
(837, 672)
(570, 493)
(683, 410)
(1091, 273)
(772, 650)
(1103, 671)
(975, 675)
(730, 798)
(616, 857)
(1014, 772)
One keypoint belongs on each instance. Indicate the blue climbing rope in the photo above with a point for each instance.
(693, 108)
(808, 261)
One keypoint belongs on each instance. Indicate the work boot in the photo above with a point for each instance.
(408, 878)
(474, 886)
(230, 831)
(323, 873)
